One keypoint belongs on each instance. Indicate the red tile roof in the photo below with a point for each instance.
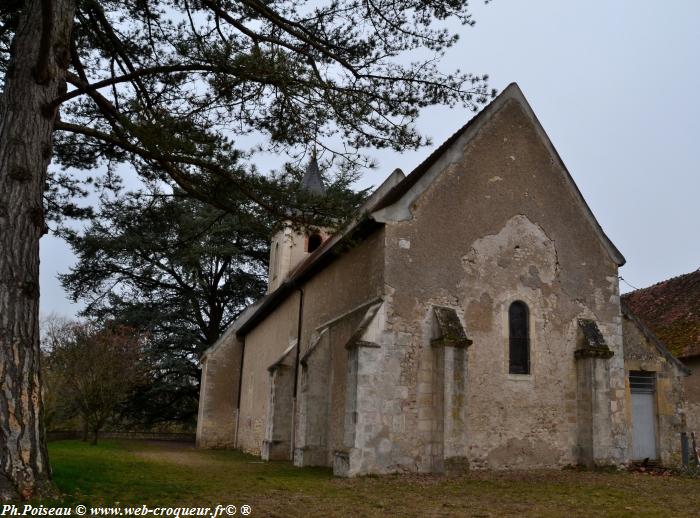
(671, 309)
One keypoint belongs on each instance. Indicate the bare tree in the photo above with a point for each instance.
(91, 371)
(56, 330)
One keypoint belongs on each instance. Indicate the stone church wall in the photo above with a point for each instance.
(216, 420)
(404, 339)
(350, 281)
(502, 224)
(264, 345)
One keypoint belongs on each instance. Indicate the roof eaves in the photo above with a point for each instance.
(328, 252)
(362, 224)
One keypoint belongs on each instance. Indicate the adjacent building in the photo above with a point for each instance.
(671, 310)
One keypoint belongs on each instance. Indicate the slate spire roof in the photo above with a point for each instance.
(312, 182)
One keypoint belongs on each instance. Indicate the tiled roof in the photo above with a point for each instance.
(671, 309)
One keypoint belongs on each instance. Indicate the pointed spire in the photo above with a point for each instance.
(311, 182)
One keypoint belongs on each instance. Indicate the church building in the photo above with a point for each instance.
(468, 317)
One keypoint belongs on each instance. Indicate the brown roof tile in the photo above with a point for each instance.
(671, 309)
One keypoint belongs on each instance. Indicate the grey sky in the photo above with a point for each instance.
(615, 85)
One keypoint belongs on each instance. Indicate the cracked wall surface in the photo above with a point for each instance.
(501, 224)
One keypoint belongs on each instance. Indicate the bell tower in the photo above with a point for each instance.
(289, 247)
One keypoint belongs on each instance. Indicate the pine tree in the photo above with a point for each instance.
(172, 88)
(178, 270)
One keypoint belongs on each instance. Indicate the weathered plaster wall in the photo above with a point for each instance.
(691, 386)
(312, 444)
(351, 280)
(264, 345)
(501, 224)
(280, 409)
(642, 355)
(218, 397)
(322, 400)
(333, 302)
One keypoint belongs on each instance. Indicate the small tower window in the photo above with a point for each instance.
(519, 338)
(314, 242)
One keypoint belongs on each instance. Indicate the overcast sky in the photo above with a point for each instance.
(615, 85)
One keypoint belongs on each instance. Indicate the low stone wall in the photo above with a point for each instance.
(60, 435)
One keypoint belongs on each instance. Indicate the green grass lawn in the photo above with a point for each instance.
(139, 472)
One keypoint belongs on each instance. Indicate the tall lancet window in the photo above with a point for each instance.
(519, 338)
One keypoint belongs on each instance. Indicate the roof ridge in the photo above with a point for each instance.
(412, 178)
(665, 281)
(418, 180)
(364, 224)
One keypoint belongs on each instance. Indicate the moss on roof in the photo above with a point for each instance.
(671, 309)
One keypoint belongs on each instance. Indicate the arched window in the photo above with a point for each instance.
(315, 241)
(519, 338)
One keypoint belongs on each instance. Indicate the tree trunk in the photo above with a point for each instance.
(95, 433)
(36, 75)
(86, 431)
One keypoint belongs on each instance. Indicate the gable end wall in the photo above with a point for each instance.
(500, 224)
